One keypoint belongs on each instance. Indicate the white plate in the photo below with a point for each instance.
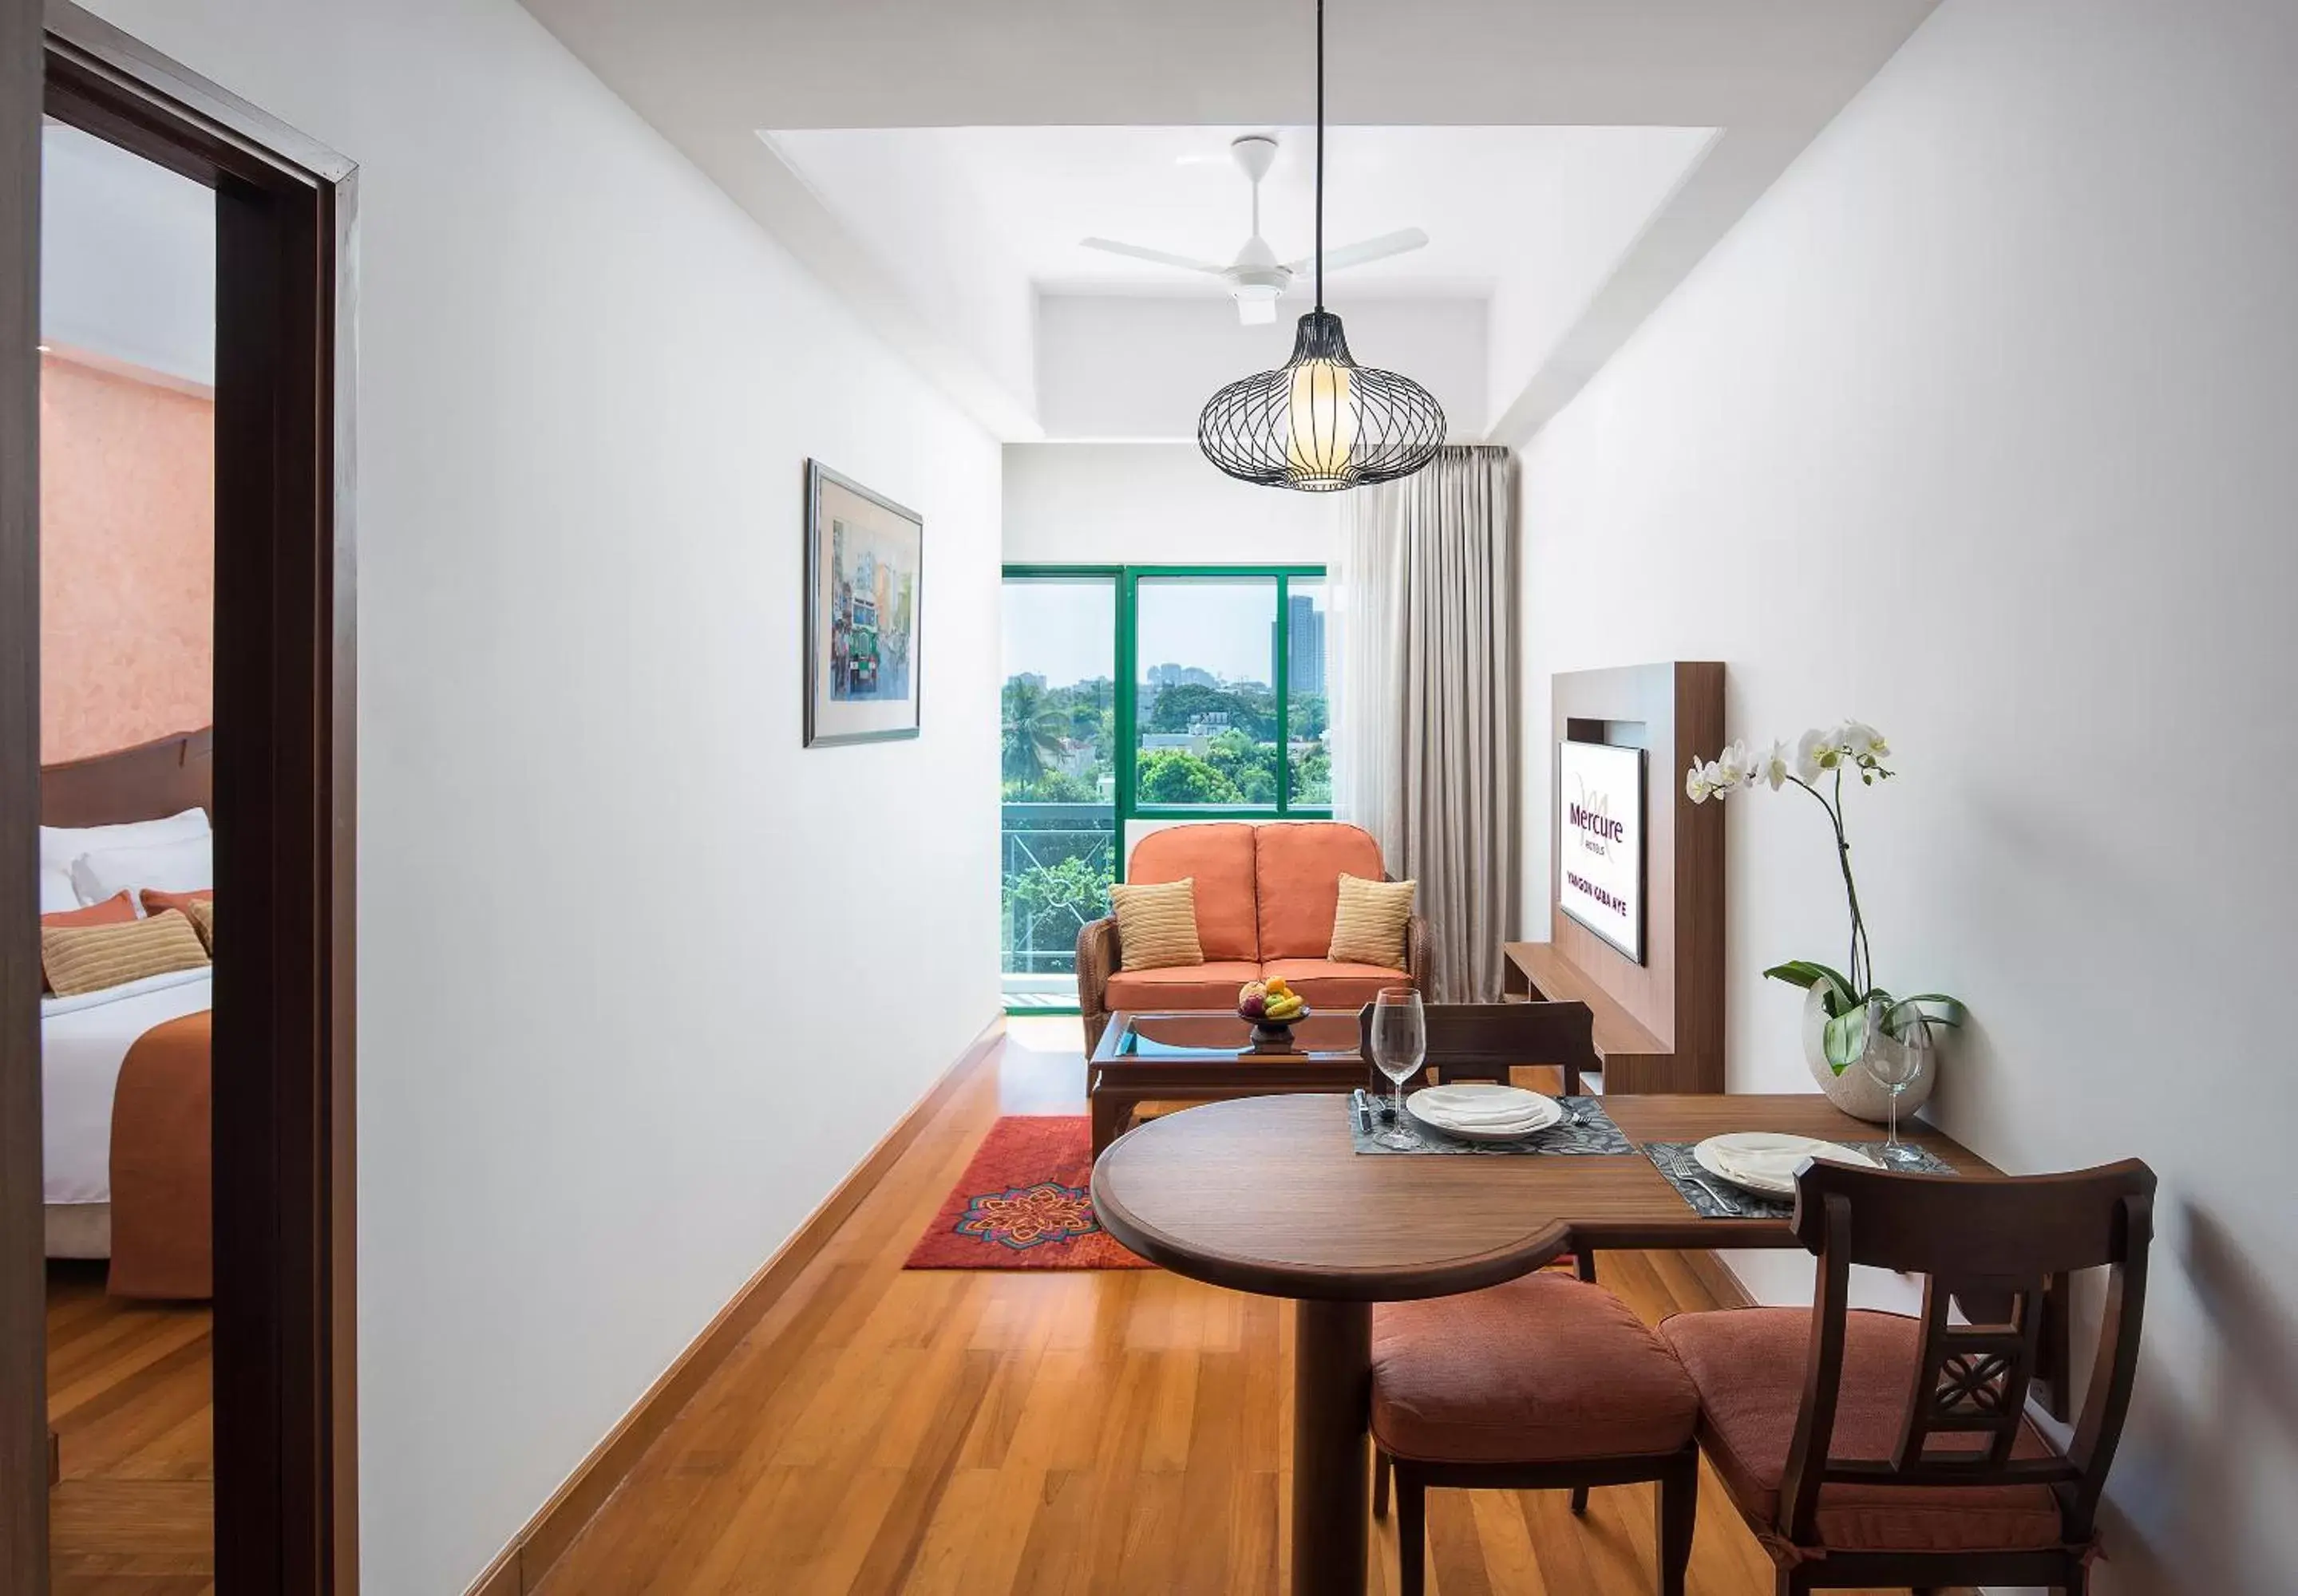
(1761, 1160)
(1481, 1112)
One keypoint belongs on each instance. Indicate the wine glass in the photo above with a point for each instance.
(1399, 1041)
(1896, 1062)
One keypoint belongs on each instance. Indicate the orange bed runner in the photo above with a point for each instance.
(163, 1201)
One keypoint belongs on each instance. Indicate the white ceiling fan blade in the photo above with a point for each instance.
(1111, 246)
(1255, 310)
(1371, 249)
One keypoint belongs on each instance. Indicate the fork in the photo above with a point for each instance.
(1722, 1201)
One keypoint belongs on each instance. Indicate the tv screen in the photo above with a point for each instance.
(1600, 841)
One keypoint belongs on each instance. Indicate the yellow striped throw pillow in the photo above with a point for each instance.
(1157, 925)
(1368, 925)
(88, 958)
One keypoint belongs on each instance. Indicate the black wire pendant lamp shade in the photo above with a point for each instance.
(1320, 421)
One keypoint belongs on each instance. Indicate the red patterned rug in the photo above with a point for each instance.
(1025, 1202)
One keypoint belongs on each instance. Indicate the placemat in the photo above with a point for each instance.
(1673, 1159)
(1586, 1129)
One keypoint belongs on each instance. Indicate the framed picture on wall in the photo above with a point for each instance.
(862, 554)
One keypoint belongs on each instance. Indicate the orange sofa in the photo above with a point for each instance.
(1266, 895)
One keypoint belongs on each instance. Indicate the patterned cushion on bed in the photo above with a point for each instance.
(118, 909)
(86, 958)
(199, 908)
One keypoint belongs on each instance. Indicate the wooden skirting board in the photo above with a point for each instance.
(522, 1564)
(1716, 1276)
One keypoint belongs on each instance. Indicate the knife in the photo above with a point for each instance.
(1361, 1109)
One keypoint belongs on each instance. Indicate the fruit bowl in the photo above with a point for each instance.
(1274, 1008)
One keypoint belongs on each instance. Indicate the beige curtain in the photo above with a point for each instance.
(1424, 698)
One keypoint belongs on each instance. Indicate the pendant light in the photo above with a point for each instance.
(1322, 422)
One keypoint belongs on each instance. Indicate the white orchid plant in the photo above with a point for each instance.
(1818, 761)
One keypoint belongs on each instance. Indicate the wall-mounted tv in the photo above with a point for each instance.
(1599, 840)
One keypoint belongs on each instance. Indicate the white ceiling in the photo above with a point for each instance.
(996, 76)
(1561, 202)
(929, 63)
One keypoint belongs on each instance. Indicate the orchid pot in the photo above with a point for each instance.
(1846, 1015)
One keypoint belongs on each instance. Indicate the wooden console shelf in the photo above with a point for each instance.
(1634, 1059)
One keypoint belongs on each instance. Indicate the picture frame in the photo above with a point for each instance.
(864, 583)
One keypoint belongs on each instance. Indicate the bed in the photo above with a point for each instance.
(124, 1071)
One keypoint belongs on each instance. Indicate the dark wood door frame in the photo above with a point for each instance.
(285, 733)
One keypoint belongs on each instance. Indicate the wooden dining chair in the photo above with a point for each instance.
(1871, 1449)
(1483, 1041)
(1545, 1383)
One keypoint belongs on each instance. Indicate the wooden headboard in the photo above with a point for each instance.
(142, 783)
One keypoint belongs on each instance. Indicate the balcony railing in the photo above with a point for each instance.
(1056, 864)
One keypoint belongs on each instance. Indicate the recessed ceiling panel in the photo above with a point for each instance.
(1547, 210)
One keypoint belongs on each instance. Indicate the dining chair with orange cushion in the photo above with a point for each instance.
(1869, 1449)
(1544, 1383)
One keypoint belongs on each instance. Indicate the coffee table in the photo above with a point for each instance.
(1208, 1056)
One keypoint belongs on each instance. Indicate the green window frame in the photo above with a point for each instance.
(1125, 588)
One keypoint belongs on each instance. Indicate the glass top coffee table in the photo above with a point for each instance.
(1208, 1055)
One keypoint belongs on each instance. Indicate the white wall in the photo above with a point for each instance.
(1153, 504)
(912, 204)
(1979, 427)
(1127, 367)
(607, 902)
(126, 258)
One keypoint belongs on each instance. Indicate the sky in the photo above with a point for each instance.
(1066, 631)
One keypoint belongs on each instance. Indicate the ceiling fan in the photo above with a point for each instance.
(1256, 277)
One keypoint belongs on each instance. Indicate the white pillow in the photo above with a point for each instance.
(56, 890)
(181, 867)
(61, 845)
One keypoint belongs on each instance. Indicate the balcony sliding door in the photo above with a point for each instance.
(1058, 773)
(1136, 697)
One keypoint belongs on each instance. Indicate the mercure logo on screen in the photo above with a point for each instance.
(1596, 823)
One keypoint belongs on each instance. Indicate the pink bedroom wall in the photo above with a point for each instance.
(127, 560)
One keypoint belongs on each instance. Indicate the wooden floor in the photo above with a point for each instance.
(1122, 1431)
(129, 1396)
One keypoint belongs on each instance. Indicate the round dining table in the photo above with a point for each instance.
(1267, 1195)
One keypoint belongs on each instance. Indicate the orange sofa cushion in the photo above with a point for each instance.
(1748, 1364)
(1541, 1370)
(1220, 855)
(1298, 866)
(1329, 987)
(1181, 986)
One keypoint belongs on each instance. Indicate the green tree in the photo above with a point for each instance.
(1174, 775)
(1047, 905)
(1251, 712)
(1250, 766)
(1310, 716)
(1033, 731)
(1312, 778)
(1054, 786)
